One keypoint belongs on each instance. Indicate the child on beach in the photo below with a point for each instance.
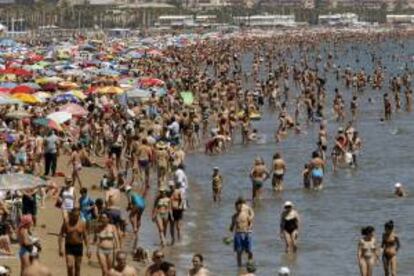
(306, 177)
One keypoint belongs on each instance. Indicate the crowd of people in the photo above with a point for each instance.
(137, 146)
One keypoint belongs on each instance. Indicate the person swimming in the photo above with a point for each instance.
(399, 190)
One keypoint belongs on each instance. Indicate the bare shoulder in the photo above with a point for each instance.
(130, 271)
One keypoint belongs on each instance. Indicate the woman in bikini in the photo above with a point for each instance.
(289, 227)
(390, 245)
(161, 213)
(108, 242)
(367, 251)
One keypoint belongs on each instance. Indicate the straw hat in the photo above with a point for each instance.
(163, 189)
(161, 145)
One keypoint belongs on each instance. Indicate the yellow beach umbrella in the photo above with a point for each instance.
(48, 80)
(8, 77)
(67, 85)
(78, 94)
(26, 98)
(110, 90)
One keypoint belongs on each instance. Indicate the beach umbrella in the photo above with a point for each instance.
(8, 77)
(7, 42)
(138, 93)
(60, 117)
(46, 80)
(49, 73)
(108, 72)
(74, 72)
(77, 93)
(188, 97)
(149, 82)
(32, 85)
(18, 115)
(67, 85)
(47, 123)
(42, 96)
(159, 91)
(23, 89)
(74, 109)
(26, 98)
(33, 67)
(50, 87)
(5, 100)
(15, 71)
(42, 64)
(20, 181)
(4, 90)
(66, 67)
(154, 52)
(61, 98)
(135, 55)
(9, 85)
(110, 90)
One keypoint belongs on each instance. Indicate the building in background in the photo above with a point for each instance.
(339, 19)
(271, 20)
(398, 19)
(367, 4)
(188, 21)
(305, 4)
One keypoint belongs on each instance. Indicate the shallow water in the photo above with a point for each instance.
(331, 218)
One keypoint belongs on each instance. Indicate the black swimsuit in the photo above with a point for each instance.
(290, 225)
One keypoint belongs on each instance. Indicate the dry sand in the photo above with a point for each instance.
(49, 222)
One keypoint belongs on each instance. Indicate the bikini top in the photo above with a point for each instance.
(106, 235)
(368, 247)
(163, 202)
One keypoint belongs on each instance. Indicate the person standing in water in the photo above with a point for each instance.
(241, 226)
(258, 174)
(390, 245)
(317, 167)
(279, 169)
(177, 211)
(289, 227)
(367, 251)
(162, 213)
(217, 184)
(198, 268)
(387, 107)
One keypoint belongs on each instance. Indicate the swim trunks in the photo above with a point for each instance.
(242, 242)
